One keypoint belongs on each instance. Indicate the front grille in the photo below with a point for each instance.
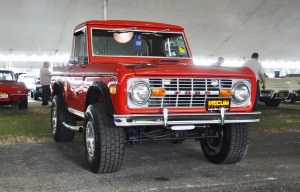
(186, 92)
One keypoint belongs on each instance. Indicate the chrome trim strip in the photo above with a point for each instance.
(76, 112)
(80, 29)
(222, 115)
(182, 127)
(72, 127)
(89, 74)
(165, 114)
(18, 94)
(186, 119)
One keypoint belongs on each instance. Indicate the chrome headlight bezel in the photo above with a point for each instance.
(134, 87)
(241, 93)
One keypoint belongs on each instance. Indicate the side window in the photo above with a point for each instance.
(80, 48)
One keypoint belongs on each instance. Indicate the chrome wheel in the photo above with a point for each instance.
(90, 139)
(54, 119)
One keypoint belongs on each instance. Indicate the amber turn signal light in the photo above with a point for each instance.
(112, 89)
(158, 92)
(225, 93)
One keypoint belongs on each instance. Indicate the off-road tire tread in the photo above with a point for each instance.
(235, 145)
(238, 144)
(109, 155)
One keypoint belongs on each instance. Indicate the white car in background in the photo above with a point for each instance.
(286, 88)
(29, 79)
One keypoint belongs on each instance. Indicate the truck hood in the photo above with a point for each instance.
(183, 69)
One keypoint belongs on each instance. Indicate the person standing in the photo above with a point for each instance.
(219, 62)
(259, 72)
(45, 76)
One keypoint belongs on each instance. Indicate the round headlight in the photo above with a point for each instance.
(240, 93)
(140, 93)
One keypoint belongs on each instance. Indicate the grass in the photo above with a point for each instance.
(284, 117)
(33, 125)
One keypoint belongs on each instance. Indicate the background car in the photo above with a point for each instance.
(280, 89)
(11, 91)
(29, 79)
(36, 90)
(294, 86)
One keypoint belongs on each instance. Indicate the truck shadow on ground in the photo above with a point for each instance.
(139, 155)
(73, 151)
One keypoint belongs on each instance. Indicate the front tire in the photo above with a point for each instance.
(59, 114)
(229, 146)
(104, 143)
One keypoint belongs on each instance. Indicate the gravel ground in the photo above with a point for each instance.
(272, 164)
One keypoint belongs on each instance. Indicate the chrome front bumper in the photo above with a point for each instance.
(171, 119)
(274, 94)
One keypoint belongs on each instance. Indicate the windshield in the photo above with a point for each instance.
(6, 76)
(152, 44)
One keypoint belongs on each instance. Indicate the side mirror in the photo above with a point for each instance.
(73, 60)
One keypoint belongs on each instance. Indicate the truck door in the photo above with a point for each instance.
(76, 71)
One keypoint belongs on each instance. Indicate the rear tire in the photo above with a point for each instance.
(104, 142)
(229, 147)
(24, 103)
(59, 114)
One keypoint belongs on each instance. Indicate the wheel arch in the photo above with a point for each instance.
(57, 88)
(99, 93)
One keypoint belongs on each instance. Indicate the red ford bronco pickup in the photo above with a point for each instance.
(131, 81)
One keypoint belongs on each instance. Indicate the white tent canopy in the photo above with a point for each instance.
(229, 28)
